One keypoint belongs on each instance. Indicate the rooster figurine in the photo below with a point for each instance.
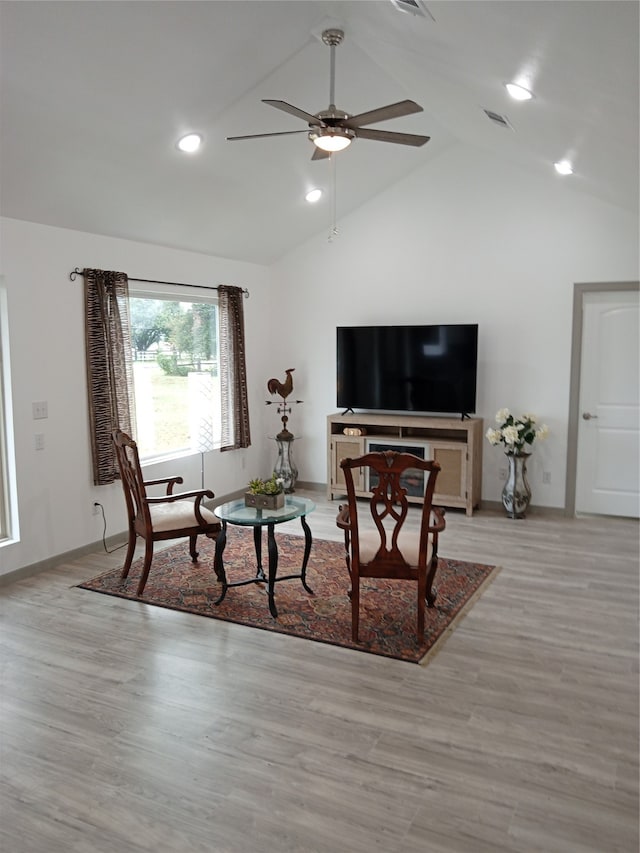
(274, 386)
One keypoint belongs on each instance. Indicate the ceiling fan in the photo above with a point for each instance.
(332, 129)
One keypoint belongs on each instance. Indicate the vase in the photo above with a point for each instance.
(516, 494)
(285, 467)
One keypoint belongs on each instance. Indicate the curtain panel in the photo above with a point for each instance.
(109, 367)
(233, 370)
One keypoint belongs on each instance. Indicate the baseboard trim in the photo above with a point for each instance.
(533, 508)
(311, 487)
(51, 562)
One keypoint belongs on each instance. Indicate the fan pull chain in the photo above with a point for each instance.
(333, 226)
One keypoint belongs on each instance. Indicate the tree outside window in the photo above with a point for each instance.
(177, 390)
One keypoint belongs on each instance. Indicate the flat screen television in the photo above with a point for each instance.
(428, 369)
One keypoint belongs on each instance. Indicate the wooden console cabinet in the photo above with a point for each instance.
(456, 444)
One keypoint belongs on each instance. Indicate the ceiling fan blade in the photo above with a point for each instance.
(402, 108)
(294, 111)
(262, 135)
(388, 136)
(320, 154)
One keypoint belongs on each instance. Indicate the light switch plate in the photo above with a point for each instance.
(40, 410)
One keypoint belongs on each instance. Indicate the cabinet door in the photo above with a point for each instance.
(452, 479)
(345, 447)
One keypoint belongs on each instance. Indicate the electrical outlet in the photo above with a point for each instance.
(546, 477)
(95, 508)
(38, 441)
(502, 473)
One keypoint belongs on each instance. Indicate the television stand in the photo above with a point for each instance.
(455, 443)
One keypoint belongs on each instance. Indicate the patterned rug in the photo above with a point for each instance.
(387, 608)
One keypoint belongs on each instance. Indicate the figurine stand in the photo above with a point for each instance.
(285, 468)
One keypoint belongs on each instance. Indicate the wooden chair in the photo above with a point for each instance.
(389, 548)
(170, 516)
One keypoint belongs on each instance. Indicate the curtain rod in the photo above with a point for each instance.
(76, 271)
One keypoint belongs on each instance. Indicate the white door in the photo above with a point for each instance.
(608, 464)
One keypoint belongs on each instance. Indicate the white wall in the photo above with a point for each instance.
(466, 240)
(55, 485)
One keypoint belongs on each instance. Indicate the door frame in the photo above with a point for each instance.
(579, 292)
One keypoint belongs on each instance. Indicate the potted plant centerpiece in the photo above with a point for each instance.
(265, 494)
(517, 434)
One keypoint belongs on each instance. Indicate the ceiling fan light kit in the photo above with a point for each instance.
(331, 138)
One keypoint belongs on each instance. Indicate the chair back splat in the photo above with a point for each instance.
(171, 516)
(384, 543)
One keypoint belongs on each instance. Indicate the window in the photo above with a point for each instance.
(176, 378)
(4, 486)
(8, 510)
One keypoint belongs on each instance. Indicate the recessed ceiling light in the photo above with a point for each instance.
(313, 195)
(190, 142)
(563, 167)
(518, 92)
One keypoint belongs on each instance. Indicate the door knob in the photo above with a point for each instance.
(587, 416)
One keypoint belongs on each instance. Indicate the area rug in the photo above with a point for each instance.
(387, 607)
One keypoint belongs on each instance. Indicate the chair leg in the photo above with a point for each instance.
(131, 547)
(347, 559)
(148, 556)
(430, 592)
(347, 552)
(192, 547)
(422, 594)
(355, 608)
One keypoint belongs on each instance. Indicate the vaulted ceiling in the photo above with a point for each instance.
(94, 96)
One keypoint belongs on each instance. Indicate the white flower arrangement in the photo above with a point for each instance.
(516, 433)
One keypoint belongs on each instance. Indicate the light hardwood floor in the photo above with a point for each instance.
(132, 728)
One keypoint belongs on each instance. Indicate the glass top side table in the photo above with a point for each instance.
(235, 512)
